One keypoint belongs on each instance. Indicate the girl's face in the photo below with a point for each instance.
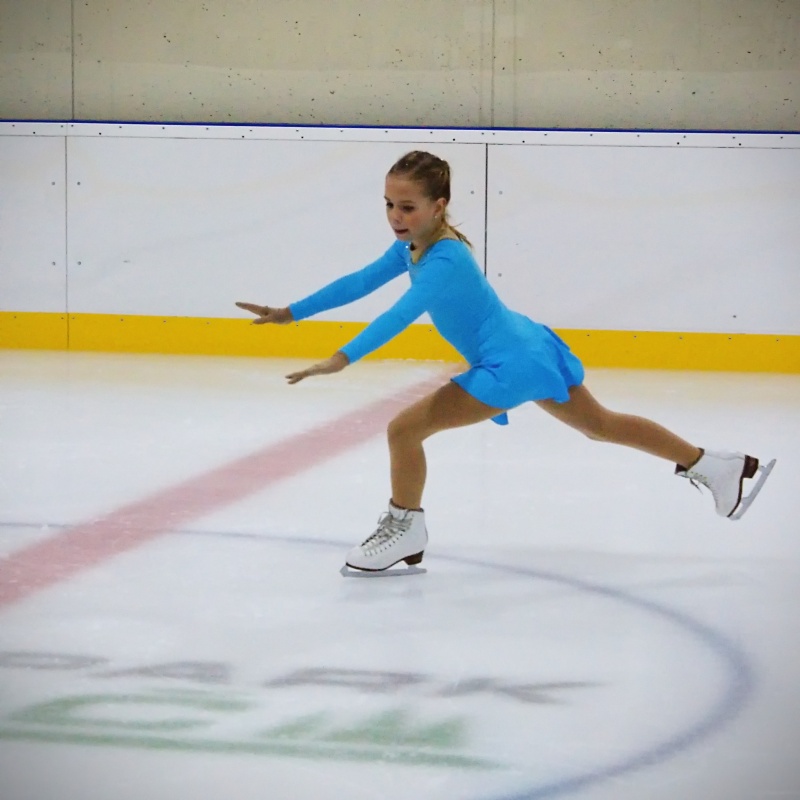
(413, 216)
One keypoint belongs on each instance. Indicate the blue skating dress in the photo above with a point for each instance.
(512, 358)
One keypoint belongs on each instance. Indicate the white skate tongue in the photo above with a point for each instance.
(397, 512)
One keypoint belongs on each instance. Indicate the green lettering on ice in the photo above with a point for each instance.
(72, 711)
(174, 721)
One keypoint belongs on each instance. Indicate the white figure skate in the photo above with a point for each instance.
(400, 536)
(724, 474)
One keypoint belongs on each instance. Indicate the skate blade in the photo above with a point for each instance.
(391, 572)
(746, 501)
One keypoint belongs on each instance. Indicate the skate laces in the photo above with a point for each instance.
(389, 526)
(696, 480)
(694, 477)
(700, 480)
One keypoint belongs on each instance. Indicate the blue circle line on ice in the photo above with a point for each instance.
(736, 689)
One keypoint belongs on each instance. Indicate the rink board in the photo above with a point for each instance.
(659, 249)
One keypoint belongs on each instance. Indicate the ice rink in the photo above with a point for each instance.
(173, 622)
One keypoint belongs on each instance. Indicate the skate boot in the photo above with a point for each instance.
(723, 474)
(400, 536)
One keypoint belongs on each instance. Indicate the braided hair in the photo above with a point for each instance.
(432, 174)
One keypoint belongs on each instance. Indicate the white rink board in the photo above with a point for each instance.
(32, 224)
(593, 230)
(645, 238)
(186, 227)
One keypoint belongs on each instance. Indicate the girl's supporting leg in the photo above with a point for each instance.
(448, 407)
(585, 414)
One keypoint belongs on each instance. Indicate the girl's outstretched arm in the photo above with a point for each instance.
(354, 286)
(336, 363)
(282, 316)
(279, 316)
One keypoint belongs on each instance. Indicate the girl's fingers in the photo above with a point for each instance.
(322, 368)
(294, 377)
(253, 308)
(263, 313)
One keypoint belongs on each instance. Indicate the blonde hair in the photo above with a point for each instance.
(433, 174)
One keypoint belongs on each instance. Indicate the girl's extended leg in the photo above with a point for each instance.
(585, 414)
(448, 407)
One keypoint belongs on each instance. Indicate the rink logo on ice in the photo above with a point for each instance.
(233, 721)
(186, 720)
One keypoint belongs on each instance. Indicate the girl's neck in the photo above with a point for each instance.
(418, 248)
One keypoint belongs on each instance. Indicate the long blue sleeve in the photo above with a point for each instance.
(448, 284)
(429, 285)
(353, 286)
(512, 358)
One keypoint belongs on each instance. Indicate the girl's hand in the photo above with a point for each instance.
(336, 363)
(280, 316)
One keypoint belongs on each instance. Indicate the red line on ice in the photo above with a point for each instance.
(42, 565)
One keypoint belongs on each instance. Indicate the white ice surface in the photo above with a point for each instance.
(587, 626)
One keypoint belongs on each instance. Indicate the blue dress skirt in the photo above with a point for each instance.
(543, 368)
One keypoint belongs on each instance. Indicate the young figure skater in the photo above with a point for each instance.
(511, 360)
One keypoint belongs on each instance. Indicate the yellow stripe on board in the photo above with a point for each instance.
(735, 352)
(726, 352)
(239, 337)
(33, 330)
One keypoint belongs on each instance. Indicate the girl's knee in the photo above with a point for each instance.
(394, 429)
(411, 424)
(403, 427)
